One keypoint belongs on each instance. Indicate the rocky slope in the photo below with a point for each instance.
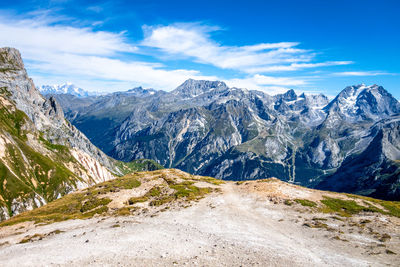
(376, 170)
(42, 155)
(169, 217)
(206, 128)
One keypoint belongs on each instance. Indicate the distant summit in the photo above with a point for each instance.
(192, 88)
(65, 88)
(361, 102)
(141, 92)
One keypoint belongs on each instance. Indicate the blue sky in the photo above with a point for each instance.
(311, 46)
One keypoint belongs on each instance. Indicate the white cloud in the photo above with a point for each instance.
(269, 84)
(361, 73)
(31, 35)
(194, 41)
(96, 60)
(82, 54)
(296, 66)
(96, 9)
(136, 72)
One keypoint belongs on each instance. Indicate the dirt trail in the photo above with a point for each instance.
(230, 228)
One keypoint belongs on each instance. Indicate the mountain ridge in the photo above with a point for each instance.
(207, 128)
(65, 88)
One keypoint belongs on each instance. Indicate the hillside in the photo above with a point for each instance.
(169, 217)
(42, 155)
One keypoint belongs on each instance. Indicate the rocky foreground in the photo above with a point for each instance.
(169, 217)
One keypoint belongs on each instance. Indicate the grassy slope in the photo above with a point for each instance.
(180, 187)
(138, 165)
(25, 172)
(93, 200)
(346, 207)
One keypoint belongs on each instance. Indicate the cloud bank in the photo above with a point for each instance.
(194, 41)
(58, 51)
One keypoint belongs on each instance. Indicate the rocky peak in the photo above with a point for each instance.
(352, 91)
(14, 77)
(193, 88)
(140, 91)
(290, 95)
(319, 100)
(136, 89)
(377, 100)
(364, 102)
(10, 59)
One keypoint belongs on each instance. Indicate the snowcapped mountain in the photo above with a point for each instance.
(361, 102)
(192, 88)
(141, 92)
(65, 88)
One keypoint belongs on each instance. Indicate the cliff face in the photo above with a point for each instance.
(46, 114)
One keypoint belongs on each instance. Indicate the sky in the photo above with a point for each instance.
(310, 46)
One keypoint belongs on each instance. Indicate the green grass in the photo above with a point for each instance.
(125, 211)
(287, 202)
(190, 192)
(76, 205)
(72, 206)
(181, 191)
(138, 165)
(391, 208)
(52, 146)
(209, 180)
(126, 182)
(93, 203)
(28, 239)
(4, 91)
(255, 145)
(36, 174)
(346, 208)
(27, 173)
(155, 192)
(134, 200)
(306, 202)
(11, 121)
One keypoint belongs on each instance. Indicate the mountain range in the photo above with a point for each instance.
(349, 144)
(65, 88)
